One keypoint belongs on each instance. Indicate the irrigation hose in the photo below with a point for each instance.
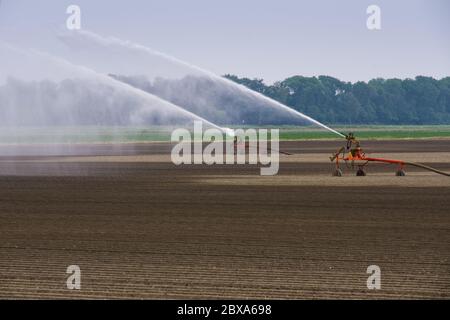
(419, 165)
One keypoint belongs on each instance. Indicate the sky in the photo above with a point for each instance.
(264, 39)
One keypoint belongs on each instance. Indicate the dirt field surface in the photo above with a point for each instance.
(140, 227)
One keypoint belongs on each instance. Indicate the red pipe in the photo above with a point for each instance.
(384, 160)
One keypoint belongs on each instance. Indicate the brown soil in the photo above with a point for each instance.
(149, 229)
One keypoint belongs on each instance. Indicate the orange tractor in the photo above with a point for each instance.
(353, 156)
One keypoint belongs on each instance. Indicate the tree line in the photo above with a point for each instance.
(419, 101)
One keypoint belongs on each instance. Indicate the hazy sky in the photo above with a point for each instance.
(260, 38)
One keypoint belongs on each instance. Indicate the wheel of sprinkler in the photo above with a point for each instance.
(360, 173)
(337, 173)
(400, 173)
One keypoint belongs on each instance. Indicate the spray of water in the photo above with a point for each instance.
(111, 41)
(151, 103)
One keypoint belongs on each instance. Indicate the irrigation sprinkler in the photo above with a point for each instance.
(354, 157)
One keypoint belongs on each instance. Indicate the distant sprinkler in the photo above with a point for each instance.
(229, 132)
